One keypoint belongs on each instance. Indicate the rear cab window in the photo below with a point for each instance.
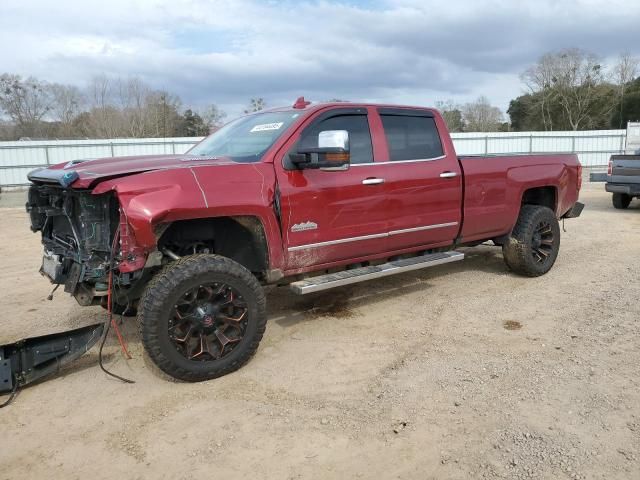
(411, 135)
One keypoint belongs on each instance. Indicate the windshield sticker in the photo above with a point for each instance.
(266, 126)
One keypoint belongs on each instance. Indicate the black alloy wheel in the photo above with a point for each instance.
(534, 243)
(202, 317)
(208, 321)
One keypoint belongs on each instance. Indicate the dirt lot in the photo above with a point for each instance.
(462, 371)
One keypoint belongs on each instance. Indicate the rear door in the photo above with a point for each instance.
(423, 180)
(329, 216)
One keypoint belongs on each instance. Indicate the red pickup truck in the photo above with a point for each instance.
(313, 196)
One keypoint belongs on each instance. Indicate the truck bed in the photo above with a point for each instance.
(624, 175)
(494, 187)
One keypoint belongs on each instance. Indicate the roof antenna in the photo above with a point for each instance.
(301, 103)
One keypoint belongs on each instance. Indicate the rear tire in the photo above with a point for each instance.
(202, 317)
(621, 200)
(533, 246)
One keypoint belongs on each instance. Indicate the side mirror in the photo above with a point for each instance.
(331, 154)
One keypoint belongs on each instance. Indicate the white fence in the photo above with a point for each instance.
(19, 158)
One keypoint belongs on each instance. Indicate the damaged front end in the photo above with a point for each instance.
(89, 249)
(30, 359)
(83, 236)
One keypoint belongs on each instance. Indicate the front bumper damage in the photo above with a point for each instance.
(80, 233)
(30, 359)
(77, 231)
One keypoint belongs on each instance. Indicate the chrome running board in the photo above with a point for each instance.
(346, 277)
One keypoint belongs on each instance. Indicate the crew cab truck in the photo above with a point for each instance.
(315, 196)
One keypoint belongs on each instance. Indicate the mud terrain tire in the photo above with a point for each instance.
(158, 314)
(533, 246)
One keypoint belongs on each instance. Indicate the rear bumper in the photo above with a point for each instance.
(626, 188)
(575, 211)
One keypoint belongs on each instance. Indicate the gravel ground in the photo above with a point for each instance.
(461, 371)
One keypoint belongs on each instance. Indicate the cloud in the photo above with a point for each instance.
(409, 51)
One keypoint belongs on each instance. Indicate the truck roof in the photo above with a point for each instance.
(301, 104)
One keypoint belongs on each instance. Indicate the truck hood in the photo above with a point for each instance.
(88, 173)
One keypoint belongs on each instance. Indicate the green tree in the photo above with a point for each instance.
(627, 109)
(193, 125)
(452, 115)
(519, 112)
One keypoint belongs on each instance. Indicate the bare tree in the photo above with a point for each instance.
(539, 80)
(104, 119)
(109, 107)
(131, 108)
(255, 105)
(572, 78)
(481, 116)
(578, 74)
(100, 91)
(452, 115)
(133, 97)
(624, 72)
(68, 102)
(26, 102)
(213, 116)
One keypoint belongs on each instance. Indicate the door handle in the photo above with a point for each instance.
(448, 174)
(372, 181)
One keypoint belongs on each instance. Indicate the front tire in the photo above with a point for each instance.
(621, 200)
(533, 246)
(202, 317)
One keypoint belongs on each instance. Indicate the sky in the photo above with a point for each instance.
(413, 52)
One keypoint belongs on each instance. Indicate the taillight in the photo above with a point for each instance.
(610, 168)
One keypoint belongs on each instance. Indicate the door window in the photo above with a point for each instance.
(359, 135)
(411, 137)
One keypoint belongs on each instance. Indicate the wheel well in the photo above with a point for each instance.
(239, 238)
(545, 196)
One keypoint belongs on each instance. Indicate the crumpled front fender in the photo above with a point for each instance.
(154, 198)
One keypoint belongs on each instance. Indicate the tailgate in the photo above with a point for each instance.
(624, 169)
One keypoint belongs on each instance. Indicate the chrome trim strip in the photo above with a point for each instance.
(336, 242)
(427, 227)
(370, 237)
(398, 161)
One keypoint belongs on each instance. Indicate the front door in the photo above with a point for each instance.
(329, 216)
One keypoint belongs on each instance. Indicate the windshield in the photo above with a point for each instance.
(246, 139)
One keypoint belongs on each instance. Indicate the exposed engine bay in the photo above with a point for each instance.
(78, 230)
